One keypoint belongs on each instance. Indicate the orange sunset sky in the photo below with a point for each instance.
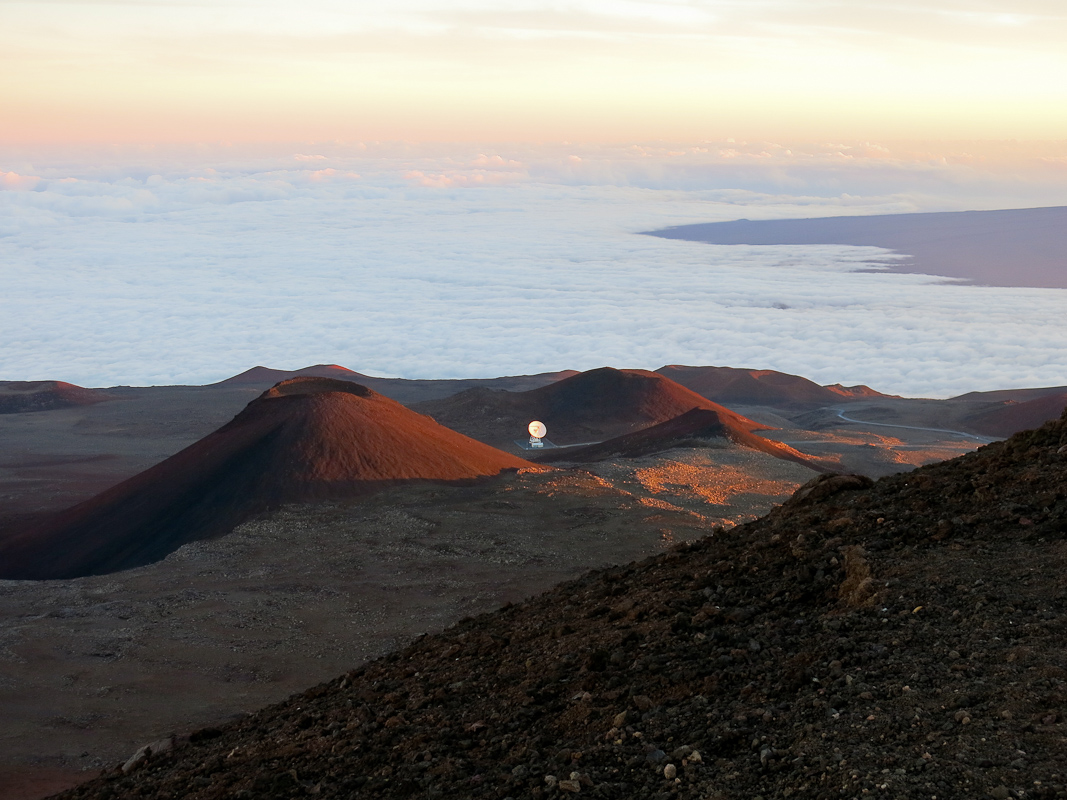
(83, 71)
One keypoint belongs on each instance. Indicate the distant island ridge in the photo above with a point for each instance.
(1024, 247)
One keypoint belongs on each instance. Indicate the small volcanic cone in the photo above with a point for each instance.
(17, 397)
(304, 439)
(265, 376)
(692, 428)
(594, 405)
(858, 392)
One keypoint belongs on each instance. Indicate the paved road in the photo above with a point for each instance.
(982, 439)
(525, 445)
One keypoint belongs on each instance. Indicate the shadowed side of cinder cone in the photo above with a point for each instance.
(635, 398)
(693, 428)
(304, 439)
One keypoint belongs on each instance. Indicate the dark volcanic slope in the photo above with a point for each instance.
(306, 438)
(594, 405)
(902, 639)
(1013, 247)
(1012, 417)
(1013, 395)
(19, 396)
(758, 387)
(693, 427)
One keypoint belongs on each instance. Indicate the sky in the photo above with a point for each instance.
(458, 189)
(126, 71)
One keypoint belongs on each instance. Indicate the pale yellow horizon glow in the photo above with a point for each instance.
(83, 71)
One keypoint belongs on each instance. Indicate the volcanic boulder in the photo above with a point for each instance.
(305, 439)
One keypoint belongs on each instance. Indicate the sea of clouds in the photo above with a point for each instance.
(152, 267)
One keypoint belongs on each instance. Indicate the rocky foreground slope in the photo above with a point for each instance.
(898, 639)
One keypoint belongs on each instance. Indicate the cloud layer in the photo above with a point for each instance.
(165, 270)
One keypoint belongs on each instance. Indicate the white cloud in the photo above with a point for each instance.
(12, 181)
(479, 177)
(495, 162)
(159, 273)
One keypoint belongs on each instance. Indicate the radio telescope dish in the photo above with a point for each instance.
(538, 429)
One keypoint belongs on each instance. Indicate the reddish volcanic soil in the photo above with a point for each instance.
(591, 406)
(305, 439)
(31, 783)
(688, 429)
(17, 397)
(858, 392)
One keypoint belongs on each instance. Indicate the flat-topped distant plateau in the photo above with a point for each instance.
(1010, 247)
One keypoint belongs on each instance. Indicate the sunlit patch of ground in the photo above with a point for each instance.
(719, 486)
(917, 456)
(842, 437)
(552, 482)
(653, 502)
(716, 483)
(875, 454)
